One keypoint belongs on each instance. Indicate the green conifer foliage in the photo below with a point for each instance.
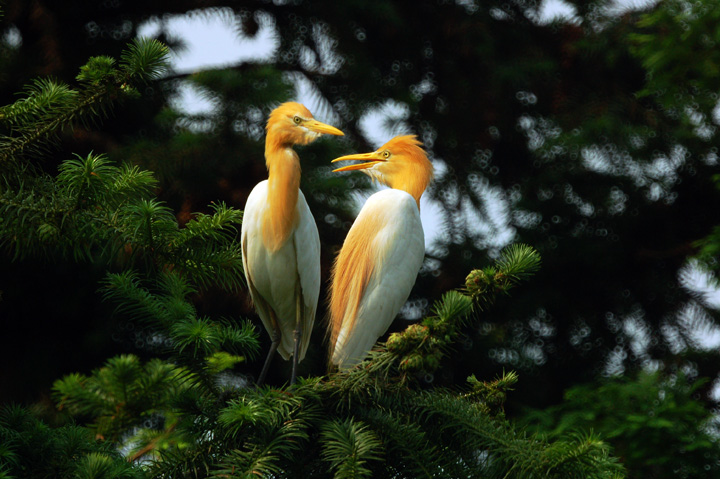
(189, 410)
(50, 106)
(31, 448)
(376, 420)
(656, 426)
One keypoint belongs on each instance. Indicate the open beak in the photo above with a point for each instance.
(319, 127)
(370, 159)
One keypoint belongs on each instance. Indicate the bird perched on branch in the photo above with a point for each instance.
(280, 242)
(382, 254)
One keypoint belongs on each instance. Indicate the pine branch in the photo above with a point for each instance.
(50, 107)
(370, 421)
(138, 302)
(120, 394)
(168, 312)
(45, 130)
(74, 214)
(98, 211)
(577, 454)
(271, 428)
(30, 448)
(31, 215)
(491, 395)
(421, 347)
(517, 262)
(43, 95)
(518, 455)
(409, 451)
(211, 264)
(348, 445)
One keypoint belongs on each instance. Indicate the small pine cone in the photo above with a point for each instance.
(476, 282)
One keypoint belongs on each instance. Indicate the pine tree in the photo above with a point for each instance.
(31, 448)
(658, 426)
(190, 416)
(595, 136)
(186, 412)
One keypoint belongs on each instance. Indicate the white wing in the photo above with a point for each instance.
(397, 250)
(274, 278)
(307, 246)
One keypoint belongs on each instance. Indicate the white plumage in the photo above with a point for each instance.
(397, 251)
(273, 276)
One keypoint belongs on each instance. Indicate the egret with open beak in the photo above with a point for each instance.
(376, 268)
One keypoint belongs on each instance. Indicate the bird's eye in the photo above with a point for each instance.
(386, 154)
(297, 120)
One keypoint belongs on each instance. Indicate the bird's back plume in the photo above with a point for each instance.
(350, 276)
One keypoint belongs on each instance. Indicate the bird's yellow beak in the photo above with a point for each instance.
(370, 159)
(319, 127)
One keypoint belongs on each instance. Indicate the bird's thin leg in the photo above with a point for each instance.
(297, 334)
(271, 353)
(275, 338)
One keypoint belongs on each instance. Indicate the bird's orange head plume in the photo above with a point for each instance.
(401, 163)
(292, 123)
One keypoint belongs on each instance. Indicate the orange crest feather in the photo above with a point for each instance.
(416, 169)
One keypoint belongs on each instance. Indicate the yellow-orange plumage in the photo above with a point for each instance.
(350, 275)
(410, 171)
(283, 166)
(281, 217)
